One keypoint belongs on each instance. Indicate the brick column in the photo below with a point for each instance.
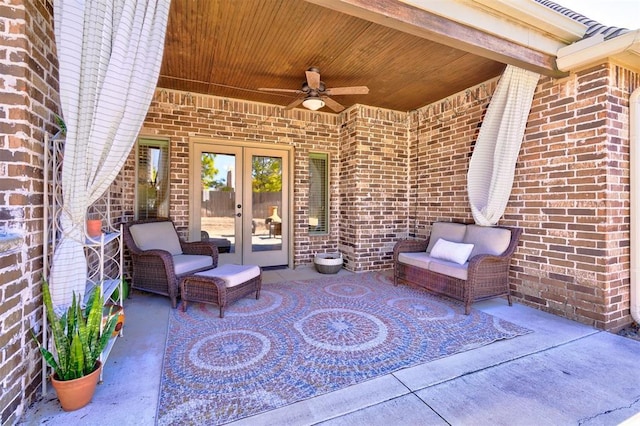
(29, 98)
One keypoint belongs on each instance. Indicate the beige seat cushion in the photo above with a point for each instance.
(233, 275)
(447, 230)
(487, 239)
(450, 269)
(417, 259)
(156, 236)
(185, 263)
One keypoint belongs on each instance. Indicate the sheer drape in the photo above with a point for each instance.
(109, 54)
(493, 162)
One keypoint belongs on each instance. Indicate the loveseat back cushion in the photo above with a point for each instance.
(156, 236)
(185, 263)
(448, 230)
(487, 239)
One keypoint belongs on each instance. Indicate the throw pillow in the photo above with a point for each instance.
(453, 252)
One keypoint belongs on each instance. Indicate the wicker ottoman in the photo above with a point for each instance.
(221, 285)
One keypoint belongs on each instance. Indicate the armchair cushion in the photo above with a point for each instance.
(156, 235)
(184, 263)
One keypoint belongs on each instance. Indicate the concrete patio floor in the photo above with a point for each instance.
(563, 373)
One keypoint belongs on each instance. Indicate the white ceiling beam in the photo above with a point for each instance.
(415, 20)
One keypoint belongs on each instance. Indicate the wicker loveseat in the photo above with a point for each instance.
(442, 267)
(161, 259)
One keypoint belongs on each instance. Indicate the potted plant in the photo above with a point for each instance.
(78, 342)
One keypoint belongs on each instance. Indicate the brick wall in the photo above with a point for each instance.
(363, 224)
(180, 116)
(28, 83)
(393, 174)
(570, 194)
(373, 186)
(442, 138)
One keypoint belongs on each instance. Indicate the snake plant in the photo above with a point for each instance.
(76, 335)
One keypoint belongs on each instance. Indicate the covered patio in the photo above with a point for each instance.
(399, 156)
(397, 161)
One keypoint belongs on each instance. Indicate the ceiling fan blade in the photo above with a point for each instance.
(268, 89)
(332, 104)
(355, 90)
(294, 103)
(313, 78)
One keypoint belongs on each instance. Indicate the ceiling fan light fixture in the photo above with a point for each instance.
(313, 103)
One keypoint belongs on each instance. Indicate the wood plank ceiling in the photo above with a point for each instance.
(230, 48)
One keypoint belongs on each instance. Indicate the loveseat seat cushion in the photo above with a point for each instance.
(156, 236)
(417, 259)
(184, 263)
(448, 230)
(487, 239)
(450, 269)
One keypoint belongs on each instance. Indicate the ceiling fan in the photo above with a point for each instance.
(315, 94)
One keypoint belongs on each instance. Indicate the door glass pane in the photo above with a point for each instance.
(266, 219)
(152, 186)
(217, 205)
(318, 193)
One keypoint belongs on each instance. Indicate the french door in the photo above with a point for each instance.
(240, 200)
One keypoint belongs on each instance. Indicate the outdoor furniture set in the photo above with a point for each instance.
(166, 265)
(464, 262)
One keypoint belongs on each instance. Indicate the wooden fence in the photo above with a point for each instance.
(222, 203)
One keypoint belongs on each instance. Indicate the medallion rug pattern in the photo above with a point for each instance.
(305, 338)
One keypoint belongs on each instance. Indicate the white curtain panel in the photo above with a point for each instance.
(109, 54)
(493, 162)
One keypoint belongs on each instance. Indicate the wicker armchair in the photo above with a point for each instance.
(161, 259)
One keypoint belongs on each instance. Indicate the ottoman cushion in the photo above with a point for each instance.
(232, 274)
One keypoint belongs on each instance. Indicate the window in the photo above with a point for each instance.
(152, 178)
(318, 193)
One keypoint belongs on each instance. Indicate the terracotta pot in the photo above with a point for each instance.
(94, 227)
(76, 393)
